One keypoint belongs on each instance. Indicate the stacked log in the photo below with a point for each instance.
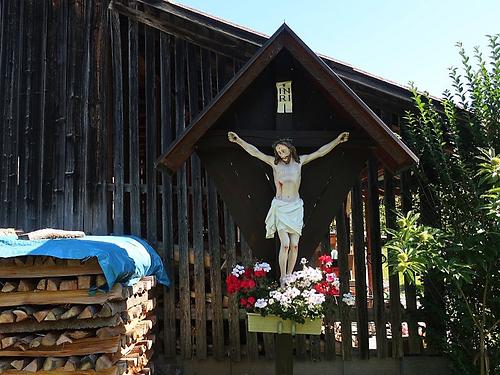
(55, 318)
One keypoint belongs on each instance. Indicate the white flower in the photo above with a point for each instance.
(315, 299)
(348, 299)
(303, 261)
(260, 303)
(289, 279)
(262, 266)
(238, 270)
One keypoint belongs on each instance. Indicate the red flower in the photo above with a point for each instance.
(248, 273)
(233, 284)
(247, 284)
(326, 288)
(324, 259)
(243, 302)
(260, 273)
(251, 301)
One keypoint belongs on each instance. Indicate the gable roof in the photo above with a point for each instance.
(240, 42)
(390, 149)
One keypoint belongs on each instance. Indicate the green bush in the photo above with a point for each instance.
(457, 181)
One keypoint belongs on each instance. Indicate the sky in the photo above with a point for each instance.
(400, 41)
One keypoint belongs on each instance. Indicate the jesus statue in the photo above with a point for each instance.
(286, 215)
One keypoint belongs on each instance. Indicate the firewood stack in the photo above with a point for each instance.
(50, 322)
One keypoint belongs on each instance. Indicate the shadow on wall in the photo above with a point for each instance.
(405, 366)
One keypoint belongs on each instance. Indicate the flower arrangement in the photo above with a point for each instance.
(301, 296)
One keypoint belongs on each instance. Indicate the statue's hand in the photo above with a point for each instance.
(343, 137)
(233, 137)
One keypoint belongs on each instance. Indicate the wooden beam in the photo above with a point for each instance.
(79, 347)
(118, 152)
(167, 247)
(62, 297)
(343, 259)
(234, 319)
(373, 214)
(91, 267)
(110, 371)
(360, 268)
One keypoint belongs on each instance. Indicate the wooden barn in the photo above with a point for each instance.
(96, 95)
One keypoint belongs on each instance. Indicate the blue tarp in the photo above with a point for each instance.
(122, 259)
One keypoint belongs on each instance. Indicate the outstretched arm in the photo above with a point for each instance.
(324, 150)
(251, 149)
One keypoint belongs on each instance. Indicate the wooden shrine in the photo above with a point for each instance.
(323, 107)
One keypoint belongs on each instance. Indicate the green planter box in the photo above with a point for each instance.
(274, 324)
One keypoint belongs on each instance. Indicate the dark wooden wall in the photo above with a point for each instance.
(89, 99)
(55, 112)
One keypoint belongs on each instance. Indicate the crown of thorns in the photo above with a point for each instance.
(283, 141)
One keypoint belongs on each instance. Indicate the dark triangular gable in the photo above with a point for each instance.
(390, 150)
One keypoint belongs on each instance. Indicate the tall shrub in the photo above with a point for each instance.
(458, 182)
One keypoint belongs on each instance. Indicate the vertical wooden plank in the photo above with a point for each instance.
(49, 183)
(133, 118)
(199, 260)
(69, 128)
(9, 155)
(4, 49)
(194, 78)
(233, 321)
(252, 349)
(269, 349)
(213, 229)
(215, 271)
(169, 326)
(345, 319)
(151, 152)
(75, 183)
(330, 347)
(300, 347)
(3, 42)
(329, 319)
(376, 256)
(17, 121)
(41, 110)
(83, 160)
(118, 155)
(234, 318)
(410, 290)
(360, 266)
(61, 119)
(98, 139)
(315, 342)
(395, 303)
(284, 354)
(182, 219)
(25, 128)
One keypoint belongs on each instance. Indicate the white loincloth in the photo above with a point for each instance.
(287, 216)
